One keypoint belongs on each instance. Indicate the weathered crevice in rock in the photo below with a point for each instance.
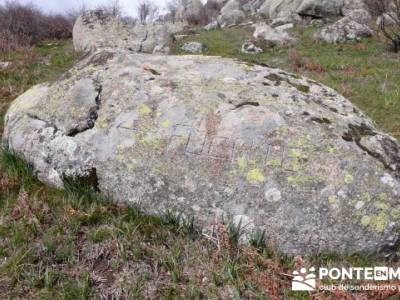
(100, 59)
(322, 120)
(142, 41)
(92, 115)
(391, 149)
(356, 132)
(278, 80)
(247, 103)
(152, 71)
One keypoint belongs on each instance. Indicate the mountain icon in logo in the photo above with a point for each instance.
(303, 280)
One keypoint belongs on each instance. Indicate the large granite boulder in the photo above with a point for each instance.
(320, 8)
(231, 17)
(273, 36)
(344, 30)
(190, 10)
(274, 9)
(96, 29)
(214, 137)
(314, 8)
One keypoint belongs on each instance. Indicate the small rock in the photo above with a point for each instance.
(194, 47)
(249, 48)
(4, 65)
(212, 25)
(284, 27)
(161, 49)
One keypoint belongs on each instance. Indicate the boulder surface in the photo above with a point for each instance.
(214, 137)
(273, 36)
(344, 30)
(96, 29)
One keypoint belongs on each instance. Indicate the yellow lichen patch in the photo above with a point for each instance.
(332, 199)
(365, 220)
(143, 109)
(297, 180)
(102, 123)
(348, 178)
(274, 163)
(120, 157)
(295, 165)
(152, 143)
(383, 196)
(242, 162)
(395, 213)
(130, 166)
(301, 141)
(381, 205)
(294, 153)
(166, 123)
(255, 176)
(366, 197)
(378, 222)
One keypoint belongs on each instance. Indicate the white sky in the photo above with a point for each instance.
(61, 6)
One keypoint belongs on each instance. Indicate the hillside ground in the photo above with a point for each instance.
(76, 244)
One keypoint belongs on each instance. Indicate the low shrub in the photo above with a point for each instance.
(24, 24)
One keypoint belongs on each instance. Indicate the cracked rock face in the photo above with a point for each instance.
(95, 29)
(213, 137)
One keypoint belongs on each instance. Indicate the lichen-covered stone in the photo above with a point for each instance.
(344, 30)
(214, 137)
(273, 36)
(97, 29)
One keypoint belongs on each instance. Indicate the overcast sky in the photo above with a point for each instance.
(61, 6)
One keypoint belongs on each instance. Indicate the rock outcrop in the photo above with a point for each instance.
(273, 36)
(320, 8)
(190, 10)
(290, 10)
(344, 30)
(230, 17)
(96, 29)
(214, 137)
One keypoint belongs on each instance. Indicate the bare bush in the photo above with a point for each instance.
(147, 11)
(389, 24)
(22, 25)
(113, 8)
(172, 7)
(74, 13)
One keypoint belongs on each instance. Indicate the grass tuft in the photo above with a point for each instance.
(258, 240)
(15, 168)
(82, 194)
